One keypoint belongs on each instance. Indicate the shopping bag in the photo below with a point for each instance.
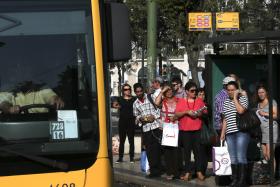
(221, 160)
(170, 134)
(144, 164)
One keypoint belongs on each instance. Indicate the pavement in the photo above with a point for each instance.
(131, 173)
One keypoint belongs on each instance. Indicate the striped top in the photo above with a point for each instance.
(229, 112)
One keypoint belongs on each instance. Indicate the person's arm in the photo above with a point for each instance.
(159, 97)
(223, 132)
(240, 108)
(57, 101)
(274, 111)
(137, 115)
(180, 112)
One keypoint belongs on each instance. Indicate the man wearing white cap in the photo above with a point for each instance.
(218, 104)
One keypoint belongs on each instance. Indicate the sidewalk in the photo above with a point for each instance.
(130, 173)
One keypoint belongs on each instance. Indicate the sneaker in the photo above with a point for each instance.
(119, 161)
(132, 161)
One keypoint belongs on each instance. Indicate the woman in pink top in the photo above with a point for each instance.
(190, 122)
(168, 101)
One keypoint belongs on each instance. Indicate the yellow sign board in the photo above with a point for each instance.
(227, 21)
(200, 21)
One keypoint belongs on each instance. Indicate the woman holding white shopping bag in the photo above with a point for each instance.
(237, 141)
(168, 101)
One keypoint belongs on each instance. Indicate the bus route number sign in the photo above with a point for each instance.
(57, 130)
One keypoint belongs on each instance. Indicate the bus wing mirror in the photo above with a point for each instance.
(118, 32)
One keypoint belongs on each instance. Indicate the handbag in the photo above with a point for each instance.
(144, 164)
(247, 121)
(208, 136)
(221, 160)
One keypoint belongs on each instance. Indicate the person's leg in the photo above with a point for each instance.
(130, 135)
(187, 145)
(242, 146)
(264, 151)
(122, 135)
(169, 161)
(153, 152)
(231, 143)
(232, 147)
(197, 156)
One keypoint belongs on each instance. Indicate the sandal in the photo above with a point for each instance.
(186, 177)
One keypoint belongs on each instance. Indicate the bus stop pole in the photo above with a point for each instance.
(270, 84)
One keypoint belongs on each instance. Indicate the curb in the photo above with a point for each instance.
(124, 176)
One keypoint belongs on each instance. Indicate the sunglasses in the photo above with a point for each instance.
(193, 90)
(126, 89)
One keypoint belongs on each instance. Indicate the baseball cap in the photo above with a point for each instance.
(159, 79)
(228, 79)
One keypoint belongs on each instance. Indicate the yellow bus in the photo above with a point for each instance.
(54, 129)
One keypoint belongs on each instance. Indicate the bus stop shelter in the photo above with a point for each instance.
(267, 37)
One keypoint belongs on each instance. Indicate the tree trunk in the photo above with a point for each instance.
(120, 78)
(193, 61)
(160, 64)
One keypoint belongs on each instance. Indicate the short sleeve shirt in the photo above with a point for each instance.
(186, 123)
(229, 111)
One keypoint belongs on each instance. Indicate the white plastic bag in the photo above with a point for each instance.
(221, 160)
(170, 134)
(144, 164)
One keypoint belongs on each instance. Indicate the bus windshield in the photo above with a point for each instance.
(48, 100)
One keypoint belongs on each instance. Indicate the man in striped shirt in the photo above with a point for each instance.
(148, 117)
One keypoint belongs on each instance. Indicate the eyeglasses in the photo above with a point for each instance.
(174, 84)
(193, 90)
(126, 89)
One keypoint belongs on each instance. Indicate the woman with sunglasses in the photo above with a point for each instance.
(190, 123)
(168, 101)
(126, 121)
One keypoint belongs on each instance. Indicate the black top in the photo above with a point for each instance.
(126, 110)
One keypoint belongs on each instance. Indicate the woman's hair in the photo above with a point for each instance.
(125, 85)
(170, 86)
(190, 85)
(233, 83)
(256, 98)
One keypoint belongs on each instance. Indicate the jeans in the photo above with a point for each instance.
(237, 147)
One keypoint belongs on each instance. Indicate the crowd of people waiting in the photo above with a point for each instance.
(170, 102)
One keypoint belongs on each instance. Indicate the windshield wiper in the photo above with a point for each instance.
(48, 162)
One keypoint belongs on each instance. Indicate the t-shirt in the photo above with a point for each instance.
(229, 111)
(187, 123)
(126, 110)
(43, 96)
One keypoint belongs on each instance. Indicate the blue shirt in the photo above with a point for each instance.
(218, 108)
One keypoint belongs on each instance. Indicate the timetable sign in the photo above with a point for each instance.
(227, 21)
(200, 21)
